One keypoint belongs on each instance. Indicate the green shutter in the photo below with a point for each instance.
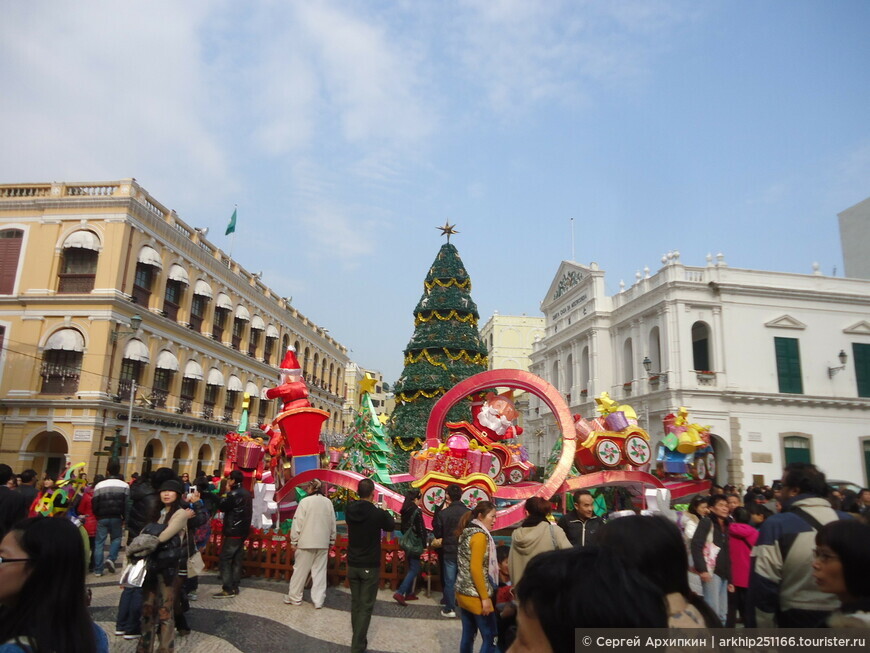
(861, 356)
(797, 450)
(788, 365)
(867, 461)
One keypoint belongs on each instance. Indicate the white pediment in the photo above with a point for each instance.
(861, 328)
(785, 322)
(569, 276)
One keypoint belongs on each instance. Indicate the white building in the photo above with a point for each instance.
(777, 364)
(854, 237)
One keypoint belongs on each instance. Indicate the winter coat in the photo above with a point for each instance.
(314, 523)
(365, 521)
(144, 504)
(413, 519)
(529, 541)
(580, 532)
(238, 508)
(444, 526)
(473, 583)
(110, 498)
(708, 531)
(85, 510)
(742, 538)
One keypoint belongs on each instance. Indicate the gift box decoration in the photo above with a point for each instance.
(248, 454)
(598, 424)
(438, 463)
(616, 421)
(474, 456)
(583, 427)
(486, 462)
(417, 467)
(457, 467)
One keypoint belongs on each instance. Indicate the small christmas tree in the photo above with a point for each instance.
(445, 349)
(367, 449)
(553, 460)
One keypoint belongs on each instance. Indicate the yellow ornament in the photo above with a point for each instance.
(604, 404)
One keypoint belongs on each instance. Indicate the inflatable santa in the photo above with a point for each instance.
(293, 391)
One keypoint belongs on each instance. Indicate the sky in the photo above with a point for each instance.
(346, 132)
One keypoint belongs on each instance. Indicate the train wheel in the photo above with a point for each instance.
(608, 453)
(433, 497)
(494, 468)
(500, 479)
(637, 450)
(516, 475)
(711, 465)
(474, 495)
(700, 468)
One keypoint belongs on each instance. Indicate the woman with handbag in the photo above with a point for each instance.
(535, 535)
(162, 585)
(477, 578)
(413, 543)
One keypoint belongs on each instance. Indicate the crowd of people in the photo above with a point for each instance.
(793, 555)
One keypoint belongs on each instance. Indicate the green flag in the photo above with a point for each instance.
(231, 227)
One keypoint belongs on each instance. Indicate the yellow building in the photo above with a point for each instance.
(103, 290)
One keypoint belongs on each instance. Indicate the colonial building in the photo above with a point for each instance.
(117, 315)
(777, 364)
(509, 339)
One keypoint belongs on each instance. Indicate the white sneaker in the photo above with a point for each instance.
(110, 566)
(449, 614)
(289, 602)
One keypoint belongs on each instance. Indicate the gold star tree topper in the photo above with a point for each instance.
(448, 230)
(367, 384)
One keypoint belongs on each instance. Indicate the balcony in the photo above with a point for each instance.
(706, 377)
(75, 283)
(208, 411)
(184, 405)
(236, 342)
(158, 398)
(228, 415)
(59, 379)
(125, 386)
(170, 310)
(141, 296)
(195, 323)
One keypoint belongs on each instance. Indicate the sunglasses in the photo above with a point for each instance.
(4, 560)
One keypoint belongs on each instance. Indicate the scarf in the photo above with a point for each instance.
(492, 571)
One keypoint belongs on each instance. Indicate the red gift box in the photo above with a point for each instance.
(438, 464)
(474, 456)
(457, 467)
(417, 466)
(486, 463)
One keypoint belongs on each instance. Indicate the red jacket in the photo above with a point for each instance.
(742, 539)
(85, 510)
(294, 395)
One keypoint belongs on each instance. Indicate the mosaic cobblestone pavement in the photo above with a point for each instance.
(258, 620)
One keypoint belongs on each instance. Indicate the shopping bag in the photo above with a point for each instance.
(134, 574)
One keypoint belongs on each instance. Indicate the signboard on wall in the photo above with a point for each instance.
(83, 435)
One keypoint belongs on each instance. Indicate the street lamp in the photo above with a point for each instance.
(843, 358)
(135, 323)
(647, 364)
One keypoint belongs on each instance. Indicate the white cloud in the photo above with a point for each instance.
(336, 236)
(100, 90)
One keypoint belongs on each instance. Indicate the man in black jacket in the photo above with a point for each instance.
(365, 521)
(444, 528)
(237, 507)
(110, 508)
(581, 525)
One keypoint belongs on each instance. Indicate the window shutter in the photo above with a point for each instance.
(861, 356)
(788, 365)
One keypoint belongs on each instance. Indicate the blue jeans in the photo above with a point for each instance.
(407, 586)
(716, 596)
(449, 583)
(130, 611)
(487, 626)
(107, 527)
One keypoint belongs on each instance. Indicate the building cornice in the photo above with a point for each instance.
(812, 401)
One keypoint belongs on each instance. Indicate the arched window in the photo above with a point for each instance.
(655, 350)
(78, 268)
(627, 361)
(166, 367)
(569, 374)
(189, 382)
(202, 294)
(234, 390)
(584, 369)
(176, 282)
(135, 359)
(62, 362)
(10, 249)
(269, 347)
(148, 265)
(796, 449)
(701, 358)
(241, 318)
(314, 369)
(257, 328)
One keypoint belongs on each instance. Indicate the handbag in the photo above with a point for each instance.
(410, 541)
(134, 574)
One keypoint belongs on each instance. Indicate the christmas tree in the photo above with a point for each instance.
(367, 449)
(553, 460)
(445, 349)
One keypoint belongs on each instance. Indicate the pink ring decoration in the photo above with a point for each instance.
(518, 380)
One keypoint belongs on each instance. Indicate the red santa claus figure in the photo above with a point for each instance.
(496, 416)
(293, 391)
